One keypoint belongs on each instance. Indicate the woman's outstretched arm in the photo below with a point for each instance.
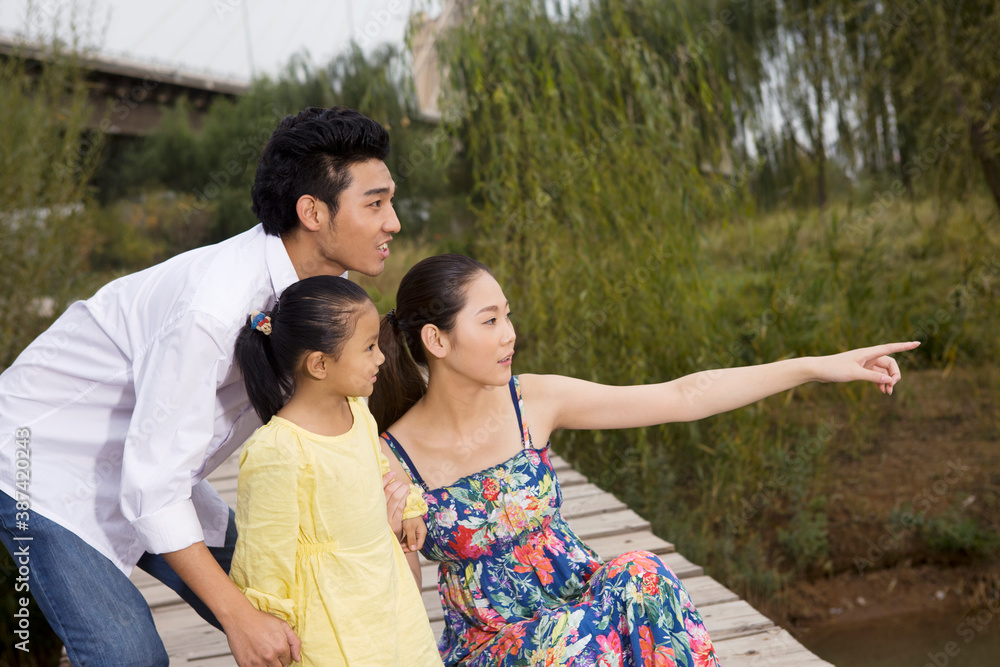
(566, 402)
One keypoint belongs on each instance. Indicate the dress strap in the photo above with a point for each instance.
(404, 459)
(515, 393)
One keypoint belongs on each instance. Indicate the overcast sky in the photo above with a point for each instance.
(212, 34)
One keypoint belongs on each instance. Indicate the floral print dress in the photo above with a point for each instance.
(520, 588)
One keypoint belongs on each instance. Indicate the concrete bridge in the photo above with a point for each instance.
(127, 96)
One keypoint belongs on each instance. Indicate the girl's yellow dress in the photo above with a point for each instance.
(316, 550)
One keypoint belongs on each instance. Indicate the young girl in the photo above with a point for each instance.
(517, 585)
(314, 546)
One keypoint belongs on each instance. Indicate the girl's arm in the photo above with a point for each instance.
(562, 402)
(413, 560)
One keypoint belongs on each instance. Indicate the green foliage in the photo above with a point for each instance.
(959, 535)
(951, 535)
(45, 162)
(587, 201)
(944, 84)
(211, 169)
(805, 540)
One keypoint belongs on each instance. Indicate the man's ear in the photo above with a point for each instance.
(315, 365)
(435, 341)
(311, 212)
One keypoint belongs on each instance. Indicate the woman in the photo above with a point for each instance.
(517, 585)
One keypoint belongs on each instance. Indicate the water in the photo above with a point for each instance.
(939, 639)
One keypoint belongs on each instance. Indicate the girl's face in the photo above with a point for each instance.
(481, 344)
(353, 372)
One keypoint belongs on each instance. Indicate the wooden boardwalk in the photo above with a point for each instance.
(743, 636)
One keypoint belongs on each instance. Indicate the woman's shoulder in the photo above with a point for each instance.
(397, 433)
(540, 401)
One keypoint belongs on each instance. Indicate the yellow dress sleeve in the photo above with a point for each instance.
(416, 506)
(267, 523)
(415, 503)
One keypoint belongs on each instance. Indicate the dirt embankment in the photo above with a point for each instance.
(914, 516)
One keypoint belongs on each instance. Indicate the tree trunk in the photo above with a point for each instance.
(819, 150)
(989, 163)
(977, 136)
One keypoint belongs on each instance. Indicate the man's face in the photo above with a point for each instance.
(357, 238)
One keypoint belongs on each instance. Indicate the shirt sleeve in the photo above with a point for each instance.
(172, 425)
(267, 522)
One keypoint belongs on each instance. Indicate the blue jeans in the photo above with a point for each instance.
(98, 613)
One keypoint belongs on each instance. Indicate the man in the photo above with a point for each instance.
(131, 398)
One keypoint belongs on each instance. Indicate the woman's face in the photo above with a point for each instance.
(482, 342)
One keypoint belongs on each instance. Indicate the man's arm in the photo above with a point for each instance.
(172, 425)
(255, 637)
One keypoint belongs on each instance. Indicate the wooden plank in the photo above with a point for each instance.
(578, 490)
(733, 619)
(559, 463)
(589, 528)
(705, 591)
(186, 635)
(142, 579)
(160, 596)
(576, 508)
(570, 477)
(428, 576)
(771, 648)
(641, 540)
(432, 603)
(681, 566)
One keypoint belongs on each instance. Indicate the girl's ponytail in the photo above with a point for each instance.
(266, 387)
(401, 383)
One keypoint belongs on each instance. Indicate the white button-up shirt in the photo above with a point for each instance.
(132, 397)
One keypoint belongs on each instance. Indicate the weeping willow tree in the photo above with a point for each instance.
(595, 143)
(593, 175)
(587, 195)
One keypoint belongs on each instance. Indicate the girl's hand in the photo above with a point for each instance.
(414, 532)
(395, 502)
(868, 363)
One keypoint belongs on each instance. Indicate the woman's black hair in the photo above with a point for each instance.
(309, 154)
(432, 292)
(314, 314)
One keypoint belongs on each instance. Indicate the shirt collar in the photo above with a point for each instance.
(279, 264)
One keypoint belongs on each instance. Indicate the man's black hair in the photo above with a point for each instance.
(309, 154)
